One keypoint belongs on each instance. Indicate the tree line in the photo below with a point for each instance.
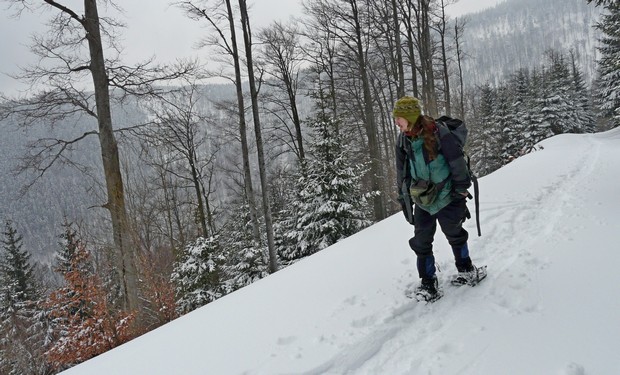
(199, 202)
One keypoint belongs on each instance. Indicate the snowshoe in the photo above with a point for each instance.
(428, 290)
(471, 278)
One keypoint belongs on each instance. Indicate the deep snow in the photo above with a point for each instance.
(550, 305)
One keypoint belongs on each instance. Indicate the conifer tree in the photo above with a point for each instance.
(503, 121)
(18, 274)
(561, 112)
(328, 207)
(521, 109)
(540, 126)
(484, 140)
(609, 65)
(246, 261)
(585, 121)
(198, 274)
(21, 331)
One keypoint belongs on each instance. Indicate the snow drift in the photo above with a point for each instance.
(550, 305)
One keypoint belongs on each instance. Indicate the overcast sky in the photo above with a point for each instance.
(154, 28)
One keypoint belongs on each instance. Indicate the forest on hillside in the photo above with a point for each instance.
(169, 193)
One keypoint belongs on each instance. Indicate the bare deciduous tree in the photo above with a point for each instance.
(283, 56)
(180, 127)
(459, 28)
(247, 39)
(70, 54)
(219, 16)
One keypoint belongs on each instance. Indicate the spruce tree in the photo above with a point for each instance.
(21, 330)
(328, 204)
(484, 140)
(585, 121)
(503, 121)
(246, 261)
(68, 248)
(559, 111)
(198, 274)
(609, 64)
(18, 274)
(542, 115)
(522, 106)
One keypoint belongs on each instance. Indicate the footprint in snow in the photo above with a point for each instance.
(574, 369)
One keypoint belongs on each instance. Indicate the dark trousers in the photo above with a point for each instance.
(450, 220)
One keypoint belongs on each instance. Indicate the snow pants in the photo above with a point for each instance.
(450, 220)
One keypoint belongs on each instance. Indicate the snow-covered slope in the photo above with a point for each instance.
(550, 305)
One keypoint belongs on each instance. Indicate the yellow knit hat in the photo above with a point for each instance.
(407, 107)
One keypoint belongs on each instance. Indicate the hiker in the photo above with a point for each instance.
(433, 175)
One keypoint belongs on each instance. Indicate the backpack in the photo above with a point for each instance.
(447, 125)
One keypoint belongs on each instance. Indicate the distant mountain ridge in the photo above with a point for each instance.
(515, 34)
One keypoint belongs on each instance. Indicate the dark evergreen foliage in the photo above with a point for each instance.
(246, 261)
(609, 63)
(198, 274)
(22, 328)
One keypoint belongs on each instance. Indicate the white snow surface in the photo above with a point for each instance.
(550, 304)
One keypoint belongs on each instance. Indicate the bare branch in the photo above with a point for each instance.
(48, 151)
(144, 79)
(66, 10)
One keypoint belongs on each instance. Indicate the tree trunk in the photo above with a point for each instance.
(196, 182)
(411, 49)
(426, 59)
(370, 123)
(444, 61)
(111, 166)
(249, 190)
(296, 120)
(247, 35)
(400, 89)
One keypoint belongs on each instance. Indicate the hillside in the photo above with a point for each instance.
(548, 306)
(516, 33)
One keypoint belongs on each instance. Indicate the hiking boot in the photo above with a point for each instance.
(428, 290)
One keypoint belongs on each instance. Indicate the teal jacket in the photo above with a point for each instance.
(436, 170)
(413, 164)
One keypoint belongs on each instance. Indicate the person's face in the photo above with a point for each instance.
(402, 123)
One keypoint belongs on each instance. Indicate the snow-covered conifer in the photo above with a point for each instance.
(609, 64)
(198, 274)
(484, 134)
(21, 335)
(246, 261)
(328, 207)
